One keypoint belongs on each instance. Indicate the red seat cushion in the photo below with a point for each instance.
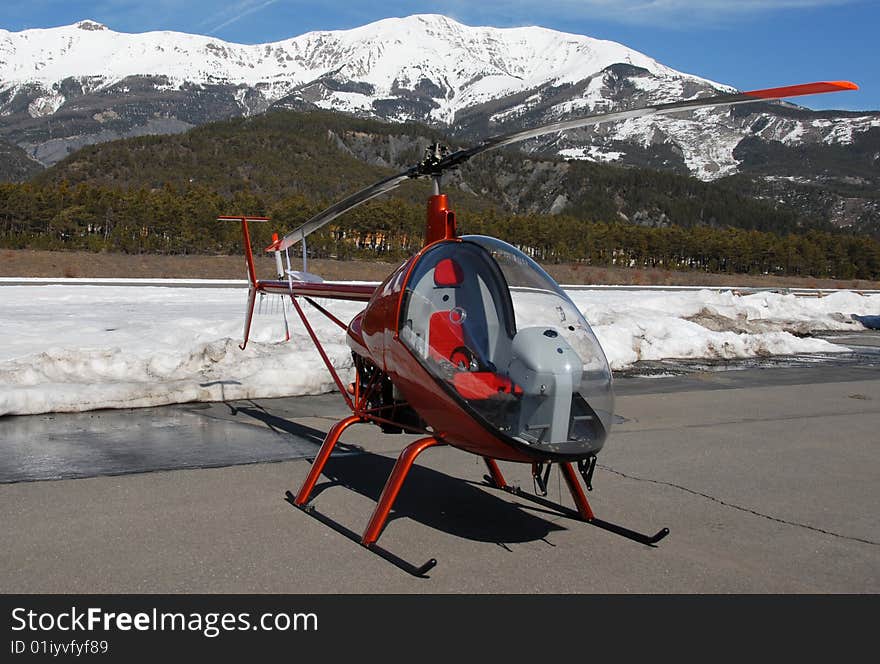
(448, 273)
(481, 385)
(444, 336)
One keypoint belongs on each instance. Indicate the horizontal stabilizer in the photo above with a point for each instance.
(307, 277)
(331, 290)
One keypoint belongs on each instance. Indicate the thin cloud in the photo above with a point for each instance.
(648, 10)
(236, 12)
(204, 16)
(526, 12)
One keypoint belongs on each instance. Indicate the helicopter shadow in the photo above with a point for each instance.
(279, 424)
(434, 499)
(438, 501)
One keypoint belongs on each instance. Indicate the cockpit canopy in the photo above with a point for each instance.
(508, 343)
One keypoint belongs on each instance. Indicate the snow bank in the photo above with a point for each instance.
(76, 348)
(654, 325)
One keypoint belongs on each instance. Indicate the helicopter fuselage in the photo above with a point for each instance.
(443, 329)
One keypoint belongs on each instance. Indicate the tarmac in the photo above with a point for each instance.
(767, 475)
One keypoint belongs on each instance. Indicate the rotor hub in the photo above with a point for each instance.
(433, 163)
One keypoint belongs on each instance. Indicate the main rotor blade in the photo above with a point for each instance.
(345, 205)
(751, 96)
(436, 167)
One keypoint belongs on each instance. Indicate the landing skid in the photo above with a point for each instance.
(420, 571)
(395, 481)
(583, 512)
(386, 500)
(641, 538)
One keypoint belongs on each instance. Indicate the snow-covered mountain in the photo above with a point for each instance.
(429, 56)
(61, 88)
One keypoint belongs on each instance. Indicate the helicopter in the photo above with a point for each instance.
(469, 342)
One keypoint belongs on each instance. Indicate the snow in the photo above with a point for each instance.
(456, 67)
(591, 153)
(705, 141)
(471, 64)
(45, 105)
(655, 325)
(76, 347)
(795, 136)
(841, 130)
(592, 100)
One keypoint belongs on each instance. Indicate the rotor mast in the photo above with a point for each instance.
(440, 223)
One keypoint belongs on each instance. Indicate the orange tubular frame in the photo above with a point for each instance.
(495, 475)
(392, 487)
(362, 412)
(577, 491)
(321, 459)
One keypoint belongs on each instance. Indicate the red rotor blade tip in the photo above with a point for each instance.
(803, 89)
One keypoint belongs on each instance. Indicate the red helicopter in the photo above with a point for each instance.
(470, 342)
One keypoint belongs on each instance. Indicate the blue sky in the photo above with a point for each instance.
(745, 43)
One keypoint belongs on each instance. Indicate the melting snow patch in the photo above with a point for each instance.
(591, 153)
(76, 348)
(45, 105)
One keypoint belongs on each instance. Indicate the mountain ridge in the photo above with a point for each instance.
(162, 194)
(68, 87)
(99, 84)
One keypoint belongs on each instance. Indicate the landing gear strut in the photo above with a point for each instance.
(584, 512)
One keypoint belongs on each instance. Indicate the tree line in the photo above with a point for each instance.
(182, 220)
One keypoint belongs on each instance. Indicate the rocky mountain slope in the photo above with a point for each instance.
(323, 156)
(63, 88)
(162, 194)
(15, 164)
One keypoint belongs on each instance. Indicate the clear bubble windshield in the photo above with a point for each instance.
(485, 319)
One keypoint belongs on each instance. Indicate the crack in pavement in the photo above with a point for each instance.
(744, 420)
(738, 507)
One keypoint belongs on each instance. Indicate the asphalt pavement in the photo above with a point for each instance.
(767, 475)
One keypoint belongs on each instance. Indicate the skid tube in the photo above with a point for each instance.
(420, 571)
(583, 512)
(383, 507)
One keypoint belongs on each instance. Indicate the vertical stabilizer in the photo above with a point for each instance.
(251, 271)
